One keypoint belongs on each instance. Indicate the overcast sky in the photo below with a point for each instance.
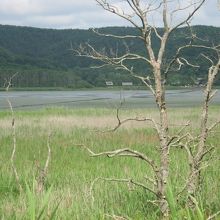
(64, 14)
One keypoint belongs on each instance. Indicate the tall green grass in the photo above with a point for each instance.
(67, 192)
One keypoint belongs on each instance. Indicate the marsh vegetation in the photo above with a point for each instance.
(68, 191)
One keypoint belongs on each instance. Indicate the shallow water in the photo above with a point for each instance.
(109, 99)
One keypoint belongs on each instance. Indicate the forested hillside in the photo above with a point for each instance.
(45, 57)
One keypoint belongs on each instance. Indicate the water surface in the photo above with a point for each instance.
(109, 99)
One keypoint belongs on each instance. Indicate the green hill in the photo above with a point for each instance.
(43, 57)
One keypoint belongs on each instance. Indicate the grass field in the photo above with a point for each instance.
(68, 193)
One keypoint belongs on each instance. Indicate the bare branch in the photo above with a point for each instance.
(123, 152)
(117, 62)
(111, 8)
(152, 181)
(116, 217)
(206, 152)
(8, 84)
(178, 133)
(214, 125)
(48, 155)
(90, 52)
(121, 122)
(185, 21)
(213, 216)
(116, 36)
(190, 178)
(128, 181)
(176, 57)
(165, 19)
(189, 64)
(178, 140)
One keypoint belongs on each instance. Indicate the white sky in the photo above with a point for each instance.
(64, 14)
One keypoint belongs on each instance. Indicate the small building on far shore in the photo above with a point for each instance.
(127, 83)
(109, 83)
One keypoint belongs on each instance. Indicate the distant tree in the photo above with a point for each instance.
(50, 54)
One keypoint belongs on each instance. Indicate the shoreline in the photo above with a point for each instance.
(115, 88)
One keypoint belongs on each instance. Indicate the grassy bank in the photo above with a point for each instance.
(71, 171)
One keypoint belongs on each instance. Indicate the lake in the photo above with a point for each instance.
(108, 99)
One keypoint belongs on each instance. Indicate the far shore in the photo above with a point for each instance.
(113, 88)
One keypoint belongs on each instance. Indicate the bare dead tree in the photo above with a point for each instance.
(8, 84)
(42, 171)
(197, 147)
(140, 14)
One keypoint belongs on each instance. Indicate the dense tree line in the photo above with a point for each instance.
(45, 57)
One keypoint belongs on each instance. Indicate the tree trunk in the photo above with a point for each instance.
(193, 185)
(196, 161)
(164, 149)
